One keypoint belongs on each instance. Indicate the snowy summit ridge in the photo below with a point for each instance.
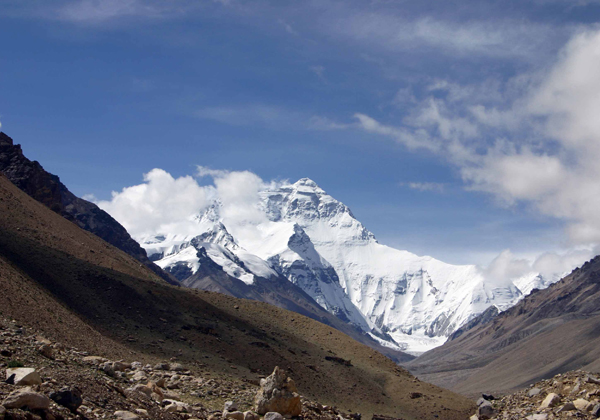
(403, 300)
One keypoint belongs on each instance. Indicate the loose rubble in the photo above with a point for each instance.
(49, 381)
(572, 395)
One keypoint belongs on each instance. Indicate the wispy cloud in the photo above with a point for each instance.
(550, 162)
(424, 186)
(254, 114)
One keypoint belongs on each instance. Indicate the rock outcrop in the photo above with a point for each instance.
(278, 394)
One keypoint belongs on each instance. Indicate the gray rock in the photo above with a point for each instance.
(177, 367)
(25, 397)
(486, 410)
(230, 406)
(567, 407)
(250, 415)
(551, 400)
(534, 392)
(278, 394)
(233, 415)
(542, 416)
(23, 376)
(68, 397)
(161, 366)
(47, 351)
(596, 411)
(273, 416)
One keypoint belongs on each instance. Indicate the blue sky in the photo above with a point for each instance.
(456, 129)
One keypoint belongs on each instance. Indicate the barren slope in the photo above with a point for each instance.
(82, 291)
(551, 331)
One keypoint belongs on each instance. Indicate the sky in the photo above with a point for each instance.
(466, 130)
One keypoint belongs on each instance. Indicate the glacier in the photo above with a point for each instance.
(404, 301)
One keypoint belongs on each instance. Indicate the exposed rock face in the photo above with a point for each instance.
(47, 189)
(278, 394)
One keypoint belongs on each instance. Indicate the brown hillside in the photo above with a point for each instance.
(81, 291)
(551, 331)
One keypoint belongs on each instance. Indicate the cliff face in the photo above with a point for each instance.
(46, 188)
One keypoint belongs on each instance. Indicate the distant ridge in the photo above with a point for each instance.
(550, 331)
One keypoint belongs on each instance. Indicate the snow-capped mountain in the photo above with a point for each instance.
(401, 299)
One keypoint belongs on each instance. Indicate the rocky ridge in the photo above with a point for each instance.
(572, 395)
(47, 188)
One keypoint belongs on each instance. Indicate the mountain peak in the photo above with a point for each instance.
(307, 182)
(5, 140)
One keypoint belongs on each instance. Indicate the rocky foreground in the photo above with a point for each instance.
(48, 381)
(573, 395)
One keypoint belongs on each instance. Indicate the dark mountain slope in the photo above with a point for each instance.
(84, 292)
(47, 189)
(550, 331)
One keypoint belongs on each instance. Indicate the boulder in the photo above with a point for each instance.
(126, 415)
(551, 400)
(534, 392)
(278, 394)
(177, 367)
(23, 376)
(68, 397)
(25, 397)
(161, 366)
(583, 405)
(486, 410)
(273, 416)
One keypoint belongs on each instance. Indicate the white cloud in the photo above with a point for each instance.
(424, 186)
(162, 204)
(538, 142)
(393, 32)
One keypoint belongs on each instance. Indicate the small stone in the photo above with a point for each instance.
(230, 406)
(534, 392)
(592, 380)
(23, 376)
(542, 416)
(177, 367)
(567, 407)
(26, 398)
(273, 416)
(161, 366)
(47, 351)
(141, 412)
(551, 400)
(126, 415)
(474, 417)
(234, 415)
(94, 360)
(596, 411)
(68, 397)
(250, 415)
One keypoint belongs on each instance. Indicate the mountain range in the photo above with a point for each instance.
(77, 289)
(303, 235)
